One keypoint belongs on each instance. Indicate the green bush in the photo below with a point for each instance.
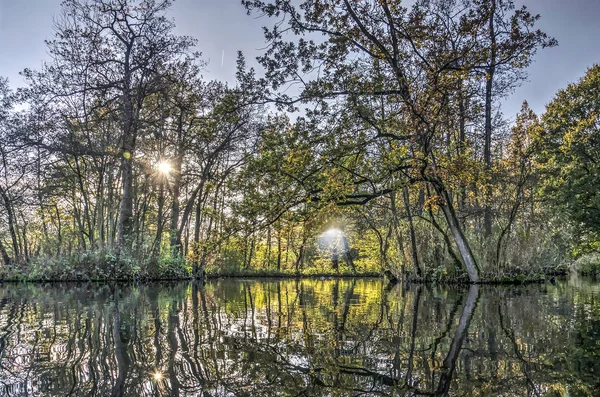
(588, 264)
(173, 267)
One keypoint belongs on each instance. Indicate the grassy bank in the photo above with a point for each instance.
(97, 271)
(102, 267)
(18, 275)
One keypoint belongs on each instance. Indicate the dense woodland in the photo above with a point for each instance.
(368, 138)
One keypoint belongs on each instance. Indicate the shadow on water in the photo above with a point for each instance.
(289, 337)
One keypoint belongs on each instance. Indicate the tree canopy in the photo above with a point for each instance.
(570, 155)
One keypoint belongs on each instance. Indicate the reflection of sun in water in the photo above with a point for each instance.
(157, 376)
(164, 168)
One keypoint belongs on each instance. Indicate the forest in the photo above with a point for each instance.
(367, 139)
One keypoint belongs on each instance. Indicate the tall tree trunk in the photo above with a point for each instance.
(462, 142)
(487, 150)
(125, 223)
(413, 237)
(87, 219)
(110, 213)
(175, 237)
(99, 211)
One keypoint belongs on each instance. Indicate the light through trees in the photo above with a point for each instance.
(332, 240)
(164, 168)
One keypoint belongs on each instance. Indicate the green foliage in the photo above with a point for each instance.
(587, 264)
(173, 267)
(569, 153)
(90, 265)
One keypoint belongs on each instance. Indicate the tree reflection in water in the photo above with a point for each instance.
(310, 337)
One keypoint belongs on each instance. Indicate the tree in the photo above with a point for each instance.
(570, 155)
(381, 79)
(508, 46)
(113, 53)
(518, 174)
(5, 107)
(390, 82)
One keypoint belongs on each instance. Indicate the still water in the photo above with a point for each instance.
(299, 338)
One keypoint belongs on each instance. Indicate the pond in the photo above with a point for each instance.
(334, 337)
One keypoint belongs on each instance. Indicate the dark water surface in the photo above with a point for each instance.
(292, 338)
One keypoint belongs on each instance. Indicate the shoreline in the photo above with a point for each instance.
(515, 280)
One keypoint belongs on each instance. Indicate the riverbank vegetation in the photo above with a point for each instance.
(369, 138)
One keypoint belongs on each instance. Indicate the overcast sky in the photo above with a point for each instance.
(222, 28)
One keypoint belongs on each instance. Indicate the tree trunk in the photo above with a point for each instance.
(461, 242)
(413, 237)
(196, 245)
(267, 263)
(201, 260)
(159, 224)
(398, 233)
(5, 257)
(187, 211)
(462, 141)
(11, 223)
(487, 151)
(26, 252)
(87, 219)
(58, 231)
(175, 238)
(251, 251)
(279, 249)
(125, 222)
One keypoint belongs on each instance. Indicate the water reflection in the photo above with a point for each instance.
(311, 337)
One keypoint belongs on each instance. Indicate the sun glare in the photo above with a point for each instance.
(332, 233)
(330, 237)
(164, 168)
(157, 376)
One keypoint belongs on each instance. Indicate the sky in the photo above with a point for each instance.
(222, 28)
